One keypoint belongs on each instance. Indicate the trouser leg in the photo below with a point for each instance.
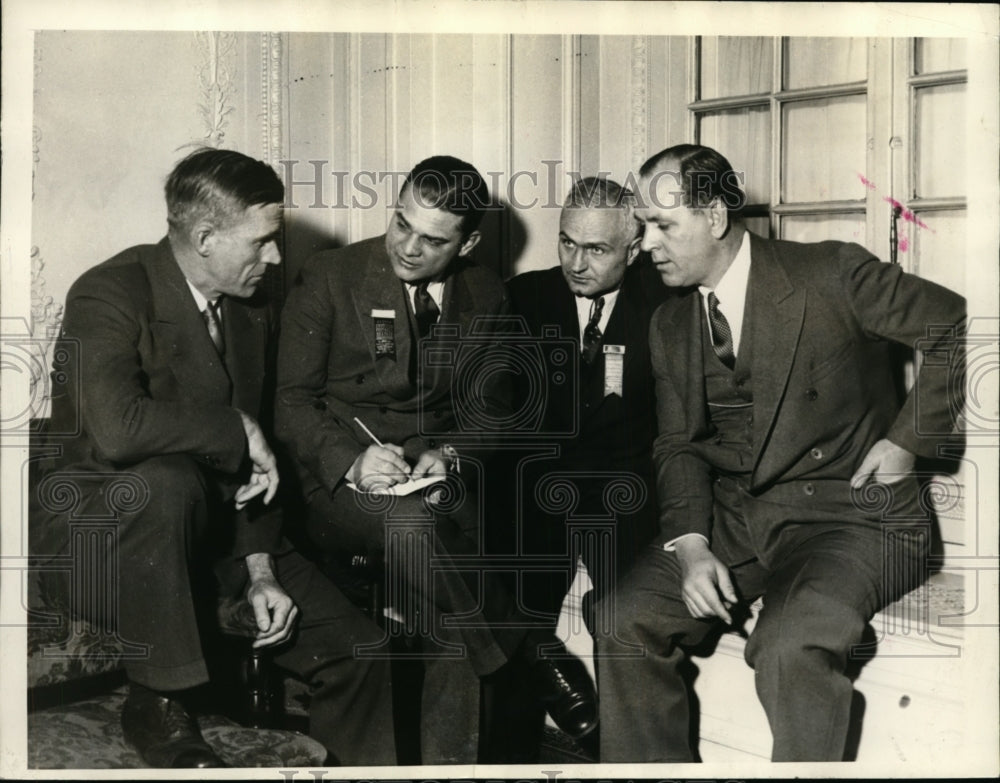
(420, 546)
(817, 603)
(641, 628)
(158, 530)
(350, 708)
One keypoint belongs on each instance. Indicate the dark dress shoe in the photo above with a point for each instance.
(164, 734)
(567, 691)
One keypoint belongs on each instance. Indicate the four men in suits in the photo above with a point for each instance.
(776, 407)
(364, 406)
(774, 401)
(168, 394)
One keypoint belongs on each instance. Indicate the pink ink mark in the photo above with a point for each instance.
(866, 182)
(904, 244)
(908, 215)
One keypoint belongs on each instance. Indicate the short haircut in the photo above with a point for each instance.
(704, 175)
(218, 185)
(591, 192)
(444, 182)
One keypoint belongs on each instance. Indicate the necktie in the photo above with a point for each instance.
(424, 309)
(214, 324)
(722, 335)
(592, 334)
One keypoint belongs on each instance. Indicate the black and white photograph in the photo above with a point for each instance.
(485, 389)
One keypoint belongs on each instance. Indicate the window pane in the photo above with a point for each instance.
(935, 55)
(940, 140)
(939, 249)
(824, 150)
(818, 228)
(735, 66)
(812, 62)
(744, 137)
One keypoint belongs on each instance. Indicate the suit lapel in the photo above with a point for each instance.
(177, 323)
(777, 313)
(380, 289)
(687, 370)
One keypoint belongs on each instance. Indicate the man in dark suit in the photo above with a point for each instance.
(170, 384)
(776, 408)
(600, 424)
(361, 411)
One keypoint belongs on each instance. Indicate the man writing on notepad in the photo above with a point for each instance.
(361, 412)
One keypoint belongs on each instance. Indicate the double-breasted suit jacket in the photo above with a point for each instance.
(333, 367)
(819, 321)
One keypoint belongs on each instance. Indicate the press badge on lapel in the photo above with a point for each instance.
(385, 333)
(614, 369)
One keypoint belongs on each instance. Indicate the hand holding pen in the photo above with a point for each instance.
(380, 465)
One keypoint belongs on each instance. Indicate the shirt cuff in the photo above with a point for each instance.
(670, 546)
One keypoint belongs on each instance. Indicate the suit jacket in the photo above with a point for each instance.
(821, 316)
(595, 433)
(610, 430)
(330, 368)
(144, 379)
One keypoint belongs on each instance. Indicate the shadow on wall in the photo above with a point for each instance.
(504, 239)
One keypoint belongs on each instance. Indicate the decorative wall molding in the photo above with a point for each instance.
(46, 320)
(271, 52)
(215, 75)
(640, 99)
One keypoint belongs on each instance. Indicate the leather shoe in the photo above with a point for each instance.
(163, 732)
(567, 691)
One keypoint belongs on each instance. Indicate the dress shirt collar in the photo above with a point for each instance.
(200, 300)
(732, 291)
(435, 289)
(583, 308)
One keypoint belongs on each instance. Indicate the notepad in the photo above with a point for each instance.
(405, 488)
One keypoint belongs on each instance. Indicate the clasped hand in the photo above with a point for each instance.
(274, 610)
(384, 466)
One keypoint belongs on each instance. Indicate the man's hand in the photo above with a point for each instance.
(886, 462)
(379, 466)
(431, 463)
(703, 579)
(264, 477)
(273, 609)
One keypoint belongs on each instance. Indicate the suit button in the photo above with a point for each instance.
(319, 405)
(360, 379)
(809, 489)
(383, 409)
(817, 453)
(811, 394)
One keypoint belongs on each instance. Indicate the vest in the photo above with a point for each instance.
(729, 394)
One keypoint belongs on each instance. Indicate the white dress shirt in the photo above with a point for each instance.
(731, 292)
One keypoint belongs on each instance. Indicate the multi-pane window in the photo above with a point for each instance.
(791, 114)
(832, 133)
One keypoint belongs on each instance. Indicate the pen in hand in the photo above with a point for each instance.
(379, 443)
(368, 432)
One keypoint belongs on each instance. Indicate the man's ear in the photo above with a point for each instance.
(633, 250)
(203, 236)
(718, 217)
(470, 242)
